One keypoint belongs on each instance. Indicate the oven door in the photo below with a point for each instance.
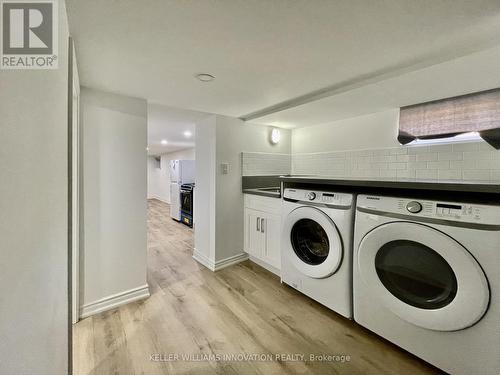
(423, 276)
(187, 201)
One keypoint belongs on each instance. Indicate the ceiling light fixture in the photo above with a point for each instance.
(164, 142)
(205, 77)
(187, 134)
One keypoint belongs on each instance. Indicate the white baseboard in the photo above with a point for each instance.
(201, 258)
(220, 264)
(114, 301)
(235, 259)
(265, 265)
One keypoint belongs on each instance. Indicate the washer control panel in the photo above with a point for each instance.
(453, 211)
(318, 197)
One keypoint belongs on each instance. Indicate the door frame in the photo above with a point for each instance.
(74, 184)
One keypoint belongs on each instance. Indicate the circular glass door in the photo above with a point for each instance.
(422, 275)
(312, 242)
(416, 274)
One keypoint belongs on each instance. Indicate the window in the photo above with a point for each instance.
(453, 119)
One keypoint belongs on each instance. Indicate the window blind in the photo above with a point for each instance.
(478, 112)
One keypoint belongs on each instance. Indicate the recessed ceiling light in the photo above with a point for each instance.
(205, 77)
(164, 142)
(187, 134)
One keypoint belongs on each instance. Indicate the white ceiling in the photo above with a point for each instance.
(170, 124)
(265, 52)
(472, 73)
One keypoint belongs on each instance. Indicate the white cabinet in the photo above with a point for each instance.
(263, 231)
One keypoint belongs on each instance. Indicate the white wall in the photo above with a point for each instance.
(219, 201)
(33, 217)
(377, 130)
(159, 178)
(114, 131)
(233, 137)
(204, 203)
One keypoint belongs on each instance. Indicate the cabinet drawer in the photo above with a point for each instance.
(265, 204)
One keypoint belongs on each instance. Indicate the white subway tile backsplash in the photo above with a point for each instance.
(265, 164)
(406, 174)
(469, 146)
(406, 158)
(438, 165)
(388, 174)
(413, 150)
(430, 156)
(463, 164)
(449, 174)
(397, 165)
(495, 176)
(450, 155)
(476, 175)
(417, 165)
(427, 174)
(474, 155)
(470, 161)
(441, 148)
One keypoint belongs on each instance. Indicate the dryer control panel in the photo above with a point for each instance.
(319, 197)
(450, 211)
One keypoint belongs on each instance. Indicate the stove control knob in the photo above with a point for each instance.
(414, 207)
(311, 196)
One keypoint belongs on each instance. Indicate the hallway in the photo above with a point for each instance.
(241, 309)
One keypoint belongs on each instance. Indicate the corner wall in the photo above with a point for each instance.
(219, 197)
(113, 257)
(234, 136)
(34, 317)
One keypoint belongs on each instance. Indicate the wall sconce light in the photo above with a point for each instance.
(275, 136)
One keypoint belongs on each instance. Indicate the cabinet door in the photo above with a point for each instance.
(253, 235)
(271, 226)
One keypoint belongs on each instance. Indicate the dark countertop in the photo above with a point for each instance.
(450, 186)
(263, 193)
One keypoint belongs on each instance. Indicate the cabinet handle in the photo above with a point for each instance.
(262, 225)
(258, 224)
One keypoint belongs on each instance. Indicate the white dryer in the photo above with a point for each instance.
(427, 277)
(316, 252)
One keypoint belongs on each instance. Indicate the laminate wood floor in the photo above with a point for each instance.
(241, 309)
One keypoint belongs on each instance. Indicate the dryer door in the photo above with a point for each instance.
(312, 242)
(423, 276)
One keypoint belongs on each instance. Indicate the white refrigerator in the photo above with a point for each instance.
(181, 172)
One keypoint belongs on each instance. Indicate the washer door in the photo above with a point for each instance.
(423, 276)
(312, 242)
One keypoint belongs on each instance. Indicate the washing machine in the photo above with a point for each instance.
(427, 277)
(316, 246)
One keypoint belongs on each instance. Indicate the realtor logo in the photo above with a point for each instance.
(29, 34)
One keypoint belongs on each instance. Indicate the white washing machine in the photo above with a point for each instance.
(316, 246)
(427, 278)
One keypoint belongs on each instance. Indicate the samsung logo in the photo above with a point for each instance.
(373, 198)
